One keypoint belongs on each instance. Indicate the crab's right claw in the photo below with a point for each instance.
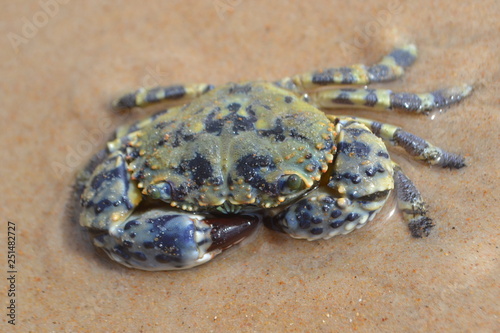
(161, 239)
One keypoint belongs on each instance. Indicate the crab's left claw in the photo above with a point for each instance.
(323, 216)
(357, 188)
(162, 239)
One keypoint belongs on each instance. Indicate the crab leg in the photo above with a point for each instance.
(389, 68)
(411, 204)
(152, 237)
(144, 97)
(109, 195)
(417, 147)
(381, 99)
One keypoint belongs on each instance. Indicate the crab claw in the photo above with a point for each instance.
(323, 216)
(162, 239)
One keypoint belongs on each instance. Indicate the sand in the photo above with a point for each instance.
(64, 61)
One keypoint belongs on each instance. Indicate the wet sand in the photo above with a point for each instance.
(62, 64)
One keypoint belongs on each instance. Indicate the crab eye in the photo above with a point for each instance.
(161, 191)
(290, 183)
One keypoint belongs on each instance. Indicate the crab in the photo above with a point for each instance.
(176, 189)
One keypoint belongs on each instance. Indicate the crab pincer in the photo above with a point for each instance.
(164, 239)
